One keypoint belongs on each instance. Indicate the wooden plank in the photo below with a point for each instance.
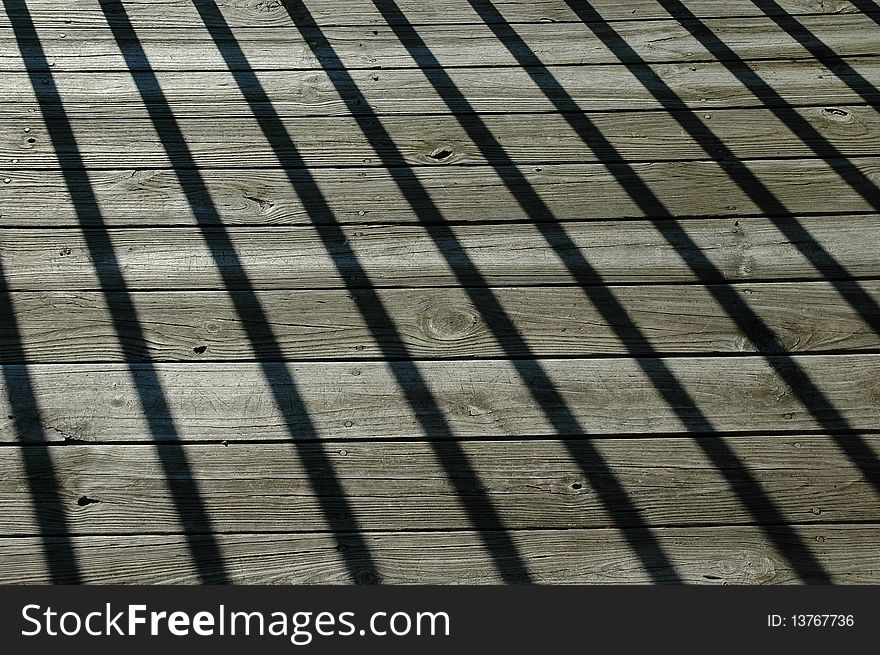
(477, 398)
(476, 193)
(450, 45)
(405, 91)
(711, 555)
(512, 255)
(437, 140)
(401, 485)
(431, 324)
(254, 13)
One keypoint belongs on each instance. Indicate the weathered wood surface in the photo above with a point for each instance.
(706, 555)
(432, 323)
(475, 193)
(297, 257)
(401, 485)
(439, 140)
(603, 87)
(477, 398)
(450, 45)
(170, 408)
(258, 13)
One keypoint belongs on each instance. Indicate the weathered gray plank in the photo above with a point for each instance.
(450, 45)
(431, 323)
(478, 398)
(570, 192)
(406, 91)
(516, 254)
(438, 140)
(401, 485)
(710, 555)
(256, 13)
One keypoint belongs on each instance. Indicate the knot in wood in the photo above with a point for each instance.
(448, 323)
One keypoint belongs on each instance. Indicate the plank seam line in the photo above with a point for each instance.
(857, 354)
(443, 114)
(524, 287)
(451, 530)
(548, 23)
(867, 56)
(556, 438)
(318, 68)
(383, 223)
(519, 284)
(428, 114)
(756, 17)
(460, 165)
(871, 156)
(496, 439)
(706, 354)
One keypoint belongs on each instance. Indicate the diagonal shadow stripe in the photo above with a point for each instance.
(472, 494)
(42, 480)
(741, 481)
(190, 508)
(820, 258)
(868, 7)
(614, 497)
(828, 416)
(813, 44)
(788, 370)
(338, 513)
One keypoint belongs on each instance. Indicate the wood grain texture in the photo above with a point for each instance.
(163, 376)
(438, 140)
(258, 13)
(716, 555)
(401, 486)
(477, 398)
(603, 87)
(512, 255)
(474, 193)
(449, 45)
(69, 326)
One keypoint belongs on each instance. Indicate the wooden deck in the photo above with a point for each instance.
(440, 292)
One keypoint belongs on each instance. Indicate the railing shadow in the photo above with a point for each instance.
(614, 498)
(482, 515)
(30, 435)
(190, 508)
(436, 429)
(336, 510)
(810, 42)
(750, 323)
(741, 481)
(868, 7)
(820, 258)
